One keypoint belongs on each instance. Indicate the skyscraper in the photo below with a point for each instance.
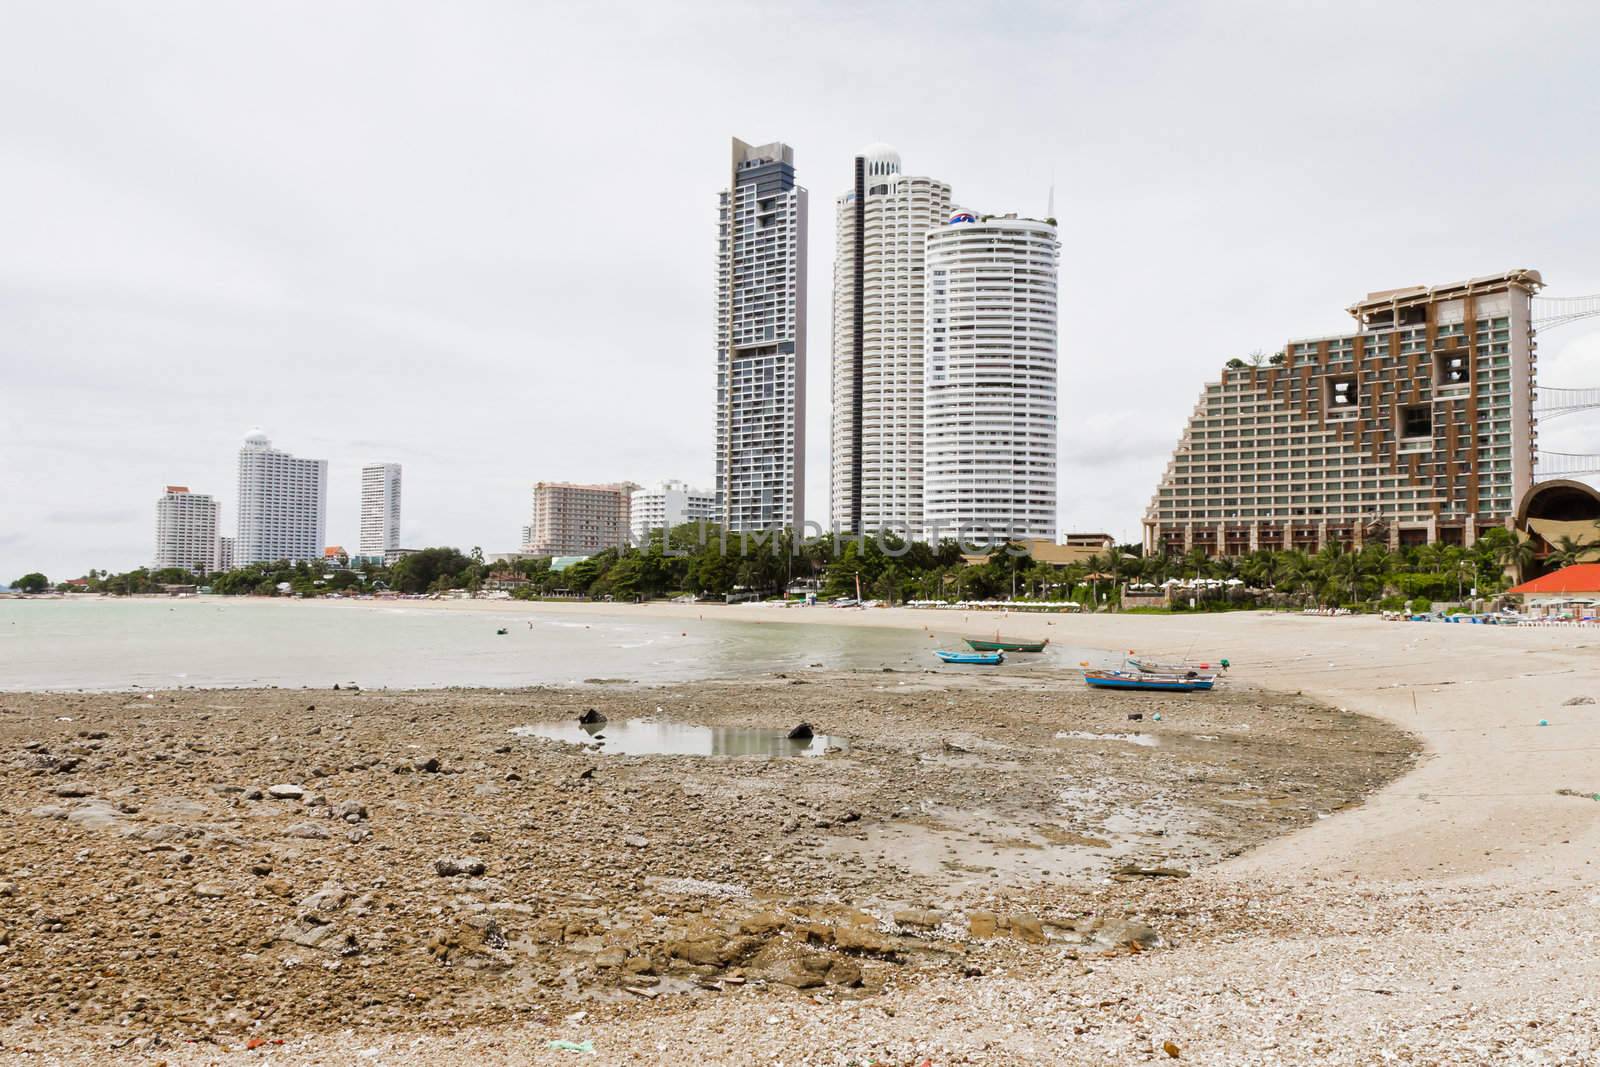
(380, 508)
(761, 341)
(283, 504)
(990, 394)
(186, 530)
(879, 299)
(577, 520)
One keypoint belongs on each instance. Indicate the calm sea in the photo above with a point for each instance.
(213, 642)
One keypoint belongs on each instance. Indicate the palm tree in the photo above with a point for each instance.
(1517, 556)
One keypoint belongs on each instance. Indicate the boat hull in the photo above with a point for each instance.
(978, 644)
(1148, 683)
(981, 659)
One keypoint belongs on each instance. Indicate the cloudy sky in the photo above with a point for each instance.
(477, 238)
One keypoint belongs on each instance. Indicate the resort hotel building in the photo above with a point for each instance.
(989, 408)
(380, 510)
(668, 505)
(186, 531)
(283, 504)
(577, 520)
(879, 303)
(761, 341)
(1416, 428)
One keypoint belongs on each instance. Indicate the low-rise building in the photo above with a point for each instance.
(1571, 592)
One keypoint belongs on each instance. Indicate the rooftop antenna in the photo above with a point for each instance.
(1050, 205)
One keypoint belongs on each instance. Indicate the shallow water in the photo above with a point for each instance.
(222, 642)
(646, 737)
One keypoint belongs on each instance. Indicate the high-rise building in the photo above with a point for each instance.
(667, 505)
(1416, 428)
(989, 420)
(577, 520)
(879, 301)
(761, 341)
(380, 509)
(224, 553)
(283, 504)
(186, 530)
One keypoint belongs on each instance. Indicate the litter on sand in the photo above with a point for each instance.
(572, 1046)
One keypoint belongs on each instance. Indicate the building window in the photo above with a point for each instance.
(1416, 421)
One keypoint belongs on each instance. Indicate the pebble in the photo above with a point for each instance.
(286, 791)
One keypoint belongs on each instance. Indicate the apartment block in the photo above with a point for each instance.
(761, 341)
(667, 505)
(879, 304)
(283, 504)
(380, 509)
(186, 530)
(1416, 428)
(577, 520)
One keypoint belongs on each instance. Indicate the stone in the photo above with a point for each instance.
(350, 810)
(703, 952)
(253, 793)
(801, 732)
(210, 890)
(8, 889)
(1130, 872)
(635, 841)
(1027, 928)
(451, 868)
(983, 924)
(261, 868)
(310, 931)
(845, 973)
(1573, 702)
(430, 765)
(309, 831)
(286, 791)
(919, 918)
(591, 717)
(330, 897)
(72, 789)
(611, 958)
(1119, 933)
(860, 939)
(766, 922)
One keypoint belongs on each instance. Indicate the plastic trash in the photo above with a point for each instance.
(1544, 722)
(572, 1046)
(1156, 717)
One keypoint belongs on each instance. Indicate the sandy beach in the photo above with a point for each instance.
(1366, 905)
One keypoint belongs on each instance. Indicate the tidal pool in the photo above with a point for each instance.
(647, 737)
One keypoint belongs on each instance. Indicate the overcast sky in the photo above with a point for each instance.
(477, 239)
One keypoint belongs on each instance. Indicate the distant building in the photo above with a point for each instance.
(186, 531)
(879, 305)
(989, 422)
(578, 520)
(395, 555)
(380, 508)
(283, 504)
(761, 341)
(225, 553)
(1417, 428)
(1571, 592)
(667, 505)
(336, 555)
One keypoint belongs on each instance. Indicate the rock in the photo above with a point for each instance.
(311, 931)
(635, 841)
(920, 918)
(1573, 702)
(611, 958)
(1119, 933)
(1027, 928)
(276, 886)
(8, 889)
(862, 939)
(308, 831)
(1130, 872)
(479, 837)
(350, 810)
(801, 972)
(845, 973)
(1170, 1049)
(286, 791)
(253, 793)
(210, 890)
(801, 732)
(983, 924)
(590, 718)
(450, 868)
(261, 868)
(72, 789)
(766, 922)
(703, 952)
(587, 772)
(330, 897)
(430, 765)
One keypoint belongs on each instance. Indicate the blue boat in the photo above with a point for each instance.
(1159, 683)
(986, 659)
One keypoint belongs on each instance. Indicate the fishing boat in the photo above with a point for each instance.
(986, 659)
(1146, 666)
(1004, 644)
(1158, 683)
(501, 632)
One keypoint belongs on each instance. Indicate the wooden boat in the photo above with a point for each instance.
(1157, 683)
(986, 659)
(1004, 644)
(501, 632)
(1145, 666)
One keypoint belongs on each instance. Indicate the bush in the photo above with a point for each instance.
(1421, 606)
(1392, 603)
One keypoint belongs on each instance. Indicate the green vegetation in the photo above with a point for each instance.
(703, 562)
(33, 582)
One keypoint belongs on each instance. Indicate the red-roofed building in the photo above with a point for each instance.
(1573, 591)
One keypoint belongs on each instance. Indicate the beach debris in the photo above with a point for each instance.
(1170, 1049)
(1156, 717)
(801, 732)
(1544, 722)
(285, 791)
(1572, 702)
(571, 1046)
(1135, 716)
(1577, 793)
(590, 718)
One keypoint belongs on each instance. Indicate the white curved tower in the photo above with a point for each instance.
(990, 392)
(878, 304)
